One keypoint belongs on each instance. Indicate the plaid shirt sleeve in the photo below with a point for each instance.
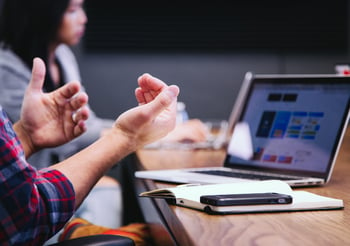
(34, 204)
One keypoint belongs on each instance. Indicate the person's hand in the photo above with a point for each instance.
(50, 119)
(156, 114)
(152, 119)
(192, 130)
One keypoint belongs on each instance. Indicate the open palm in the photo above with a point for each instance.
(47, 117)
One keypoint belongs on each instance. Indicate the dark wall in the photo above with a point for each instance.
(209, 82)
(274, 26)
(205, 49)
(298, 37)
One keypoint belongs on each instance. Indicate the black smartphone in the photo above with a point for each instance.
(246, 199)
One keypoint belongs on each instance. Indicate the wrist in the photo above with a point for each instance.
(125, 142)
(24, 138)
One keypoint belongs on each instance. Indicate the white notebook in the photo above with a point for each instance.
(189, 196)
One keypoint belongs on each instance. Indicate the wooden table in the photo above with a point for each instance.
(173, 225)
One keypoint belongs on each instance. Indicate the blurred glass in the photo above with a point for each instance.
(217, 138)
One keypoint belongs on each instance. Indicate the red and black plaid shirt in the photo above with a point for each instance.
(34, 205)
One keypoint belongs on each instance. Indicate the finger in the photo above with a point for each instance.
(78, 101)
(150, 82)
(66, 92)
(151, 86)
(163, 100)
(38, 75)
(69, 90)
(139, 96)
(150, 95)
(80, 115)
(143, 96)
(80, 128)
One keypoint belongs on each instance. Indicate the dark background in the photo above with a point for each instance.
(275, 26)
(205, 48)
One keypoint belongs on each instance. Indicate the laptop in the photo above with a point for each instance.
(283, 127)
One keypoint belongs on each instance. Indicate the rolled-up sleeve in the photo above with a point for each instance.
(33, 211)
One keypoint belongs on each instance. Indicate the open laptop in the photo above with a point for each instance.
(284, 127)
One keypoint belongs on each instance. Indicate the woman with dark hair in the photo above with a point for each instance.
(46, 29)
(33, 30)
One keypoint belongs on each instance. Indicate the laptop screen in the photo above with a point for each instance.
(290, 123)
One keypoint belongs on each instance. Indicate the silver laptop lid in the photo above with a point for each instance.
(289, 123)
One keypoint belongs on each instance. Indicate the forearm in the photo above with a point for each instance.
(138, 126)
(85, 168)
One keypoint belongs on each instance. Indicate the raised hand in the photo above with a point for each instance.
(156, 114)
(50, 119)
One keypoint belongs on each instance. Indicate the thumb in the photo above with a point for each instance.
(38, 75)
(163, 100)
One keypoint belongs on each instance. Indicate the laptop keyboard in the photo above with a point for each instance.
(233, 174)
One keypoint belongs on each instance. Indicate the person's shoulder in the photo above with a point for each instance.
(64, 51)
(9, 58)
(11, 64)
(69, 64)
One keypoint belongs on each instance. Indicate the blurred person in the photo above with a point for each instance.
(35, 204)
(47, 29)
(44, 28)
